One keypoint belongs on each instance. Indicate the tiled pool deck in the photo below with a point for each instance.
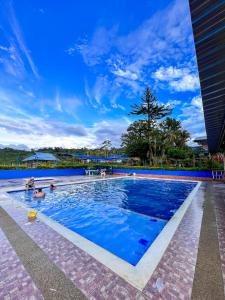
(172, 278)
(15, 282)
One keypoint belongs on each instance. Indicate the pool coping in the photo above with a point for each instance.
(138, 275)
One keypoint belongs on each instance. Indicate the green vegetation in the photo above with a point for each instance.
(117, 166)
(154, 141)
(153, 138)
(150, 111)
(9, 156)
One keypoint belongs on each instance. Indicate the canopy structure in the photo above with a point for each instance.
(99, 158)
(65, 155)
(41, 156)
(122, 157)
(209, 36)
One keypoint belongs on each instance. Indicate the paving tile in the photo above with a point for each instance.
(15, 282)
(219, 205)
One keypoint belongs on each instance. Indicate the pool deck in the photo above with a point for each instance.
(39, 263)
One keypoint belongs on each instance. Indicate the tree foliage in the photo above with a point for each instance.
(151, 137)
(151, 111)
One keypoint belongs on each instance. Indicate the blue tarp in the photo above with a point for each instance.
(99, 158)
(41, 156)
(118, 157)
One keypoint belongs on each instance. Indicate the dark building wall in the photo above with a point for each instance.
(208, 21)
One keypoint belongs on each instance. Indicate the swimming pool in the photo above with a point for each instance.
(123, 216)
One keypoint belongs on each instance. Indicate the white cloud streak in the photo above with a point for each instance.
(20, 40)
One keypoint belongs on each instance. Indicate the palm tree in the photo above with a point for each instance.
(172, 128)
(183, 137)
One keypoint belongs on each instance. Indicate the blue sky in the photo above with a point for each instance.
(69, 70)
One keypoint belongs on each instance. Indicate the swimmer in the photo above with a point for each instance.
(52, 187)
(39, 194)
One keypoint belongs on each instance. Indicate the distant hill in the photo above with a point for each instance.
(9, 156)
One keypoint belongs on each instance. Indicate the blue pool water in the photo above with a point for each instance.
(124, 216)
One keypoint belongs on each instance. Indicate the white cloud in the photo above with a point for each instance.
(178, 79)
(58, 104)
(169, 73)
(19, 126)
(14, 54)
(173, 103)
(100, 92)
(188, 82)
(126, 74)
(40, 132)
(26, 92)
(192, 117)
(94, 49)
(3, 48)
(20, 40)
(110, 130)
(71, 51)
(197, 101)
(100, 88)
(131, 57)
(11, 60)
(116, 105)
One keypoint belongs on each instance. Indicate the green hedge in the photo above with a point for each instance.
(85, 166)
(164, 168)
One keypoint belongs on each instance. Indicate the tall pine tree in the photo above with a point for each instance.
(151, 111)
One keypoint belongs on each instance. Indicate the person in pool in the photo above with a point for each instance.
(52, 187)
(39, 194)
(30, 184)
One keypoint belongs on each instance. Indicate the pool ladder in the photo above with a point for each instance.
(218, 174)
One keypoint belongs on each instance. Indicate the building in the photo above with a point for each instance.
(40, 157)
(208, 22)
(202, 142)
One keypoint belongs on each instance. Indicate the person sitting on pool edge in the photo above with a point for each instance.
(52, 187)
(30, 183)
(39, 194)
(103, 173)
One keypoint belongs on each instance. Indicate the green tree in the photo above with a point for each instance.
(180, 153)
(182, 138)
(174, 134)
(134, 141)
(151, 111)
(106, 145)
